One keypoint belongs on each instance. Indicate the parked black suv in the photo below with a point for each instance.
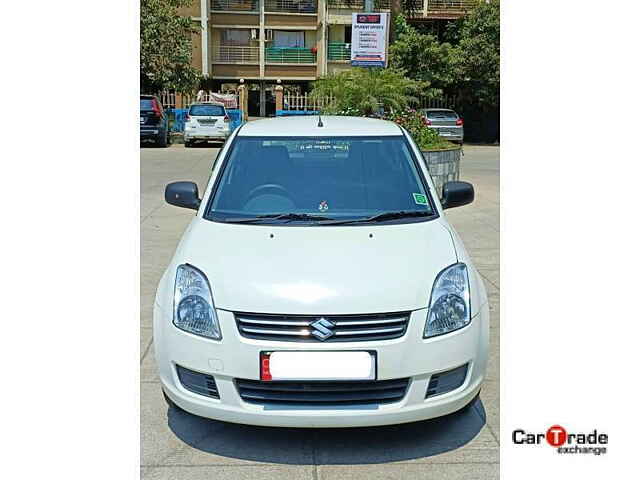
(154, 123)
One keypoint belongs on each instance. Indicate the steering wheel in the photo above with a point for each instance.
(272, 188)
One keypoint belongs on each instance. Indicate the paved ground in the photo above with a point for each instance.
(181, 446)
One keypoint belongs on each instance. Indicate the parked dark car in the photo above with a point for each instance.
(154, 123)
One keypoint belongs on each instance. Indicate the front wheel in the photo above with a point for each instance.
(188, 144)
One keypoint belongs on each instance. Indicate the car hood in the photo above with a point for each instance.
(318, 270)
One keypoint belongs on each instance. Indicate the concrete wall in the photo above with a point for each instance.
(192, 10)
(196, 51)
(236, 71)
(272, 21)
(336, 33)
(235, 19)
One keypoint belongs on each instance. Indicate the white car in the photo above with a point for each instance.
(319, 283)
(207, 121)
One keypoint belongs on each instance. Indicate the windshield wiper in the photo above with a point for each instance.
(381, 217)
(278, 216)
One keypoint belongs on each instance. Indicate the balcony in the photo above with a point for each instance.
(339, 51)
(234, 54)
(291, 6)
(358, 5)
(289, 55)
(449, 9)
(234, 5)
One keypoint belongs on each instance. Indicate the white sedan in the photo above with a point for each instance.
(319, 283)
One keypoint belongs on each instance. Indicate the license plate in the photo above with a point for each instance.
(317, 366)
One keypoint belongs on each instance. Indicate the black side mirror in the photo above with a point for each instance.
(456, 194)
(182, 194)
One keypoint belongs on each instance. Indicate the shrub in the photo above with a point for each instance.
(416, 124)
(364, 91)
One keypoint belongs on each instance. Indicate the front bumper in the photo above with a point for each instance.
(238, 357)
(149, 132)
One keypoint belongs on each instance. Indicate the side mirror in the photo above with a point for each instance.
(456, 194)
(182, 194)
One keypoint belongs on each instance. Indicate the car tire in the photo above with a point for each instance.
(162, 142)
(170, 402)
(187, 144)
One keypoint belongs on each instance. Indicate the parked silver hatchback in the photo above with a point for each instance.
(448, 123)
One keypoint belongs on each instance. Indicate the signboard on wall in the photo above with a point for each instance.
(369, 39)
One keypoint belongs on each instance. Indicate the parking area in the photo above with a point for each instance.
(176, 445)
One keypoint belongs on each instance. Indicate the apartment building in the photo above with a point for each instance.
(291, 41)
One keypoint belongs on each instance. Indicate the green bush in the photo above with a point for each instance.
(416, 124)
(365, 91)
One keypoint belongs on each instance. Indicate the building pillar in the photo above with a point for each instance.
(261, 36)
(204, 35)
(263, 99)
(279, 96)
(243, 100)
(321, 39)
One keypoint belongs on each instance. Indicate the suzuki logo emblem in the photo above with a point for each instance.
(322, 329)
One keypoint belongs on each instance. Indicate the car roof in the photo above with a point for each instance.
(207, 103)
(307, 126)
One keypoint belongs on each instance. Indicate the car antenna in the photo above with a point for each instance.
(320, 124)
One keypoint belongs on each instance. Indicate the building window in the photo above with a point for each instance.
(240, 38)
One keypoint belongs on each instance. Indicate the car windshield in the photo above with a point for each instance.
(207, 110)
(444, 115)
(311, 180)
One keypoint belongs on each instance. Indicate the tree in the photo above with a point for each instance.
(165, 47)
(424, 57)
(478, 56)
(363, 91)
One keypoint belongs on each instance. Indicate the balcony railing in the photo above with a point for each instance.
(358, 5)
(235, 5)
(339, 51)
(289, 55)
(291, 6)
(233, 54)
(449, 9)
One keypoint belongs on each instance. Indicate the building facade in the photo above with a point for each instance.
(291, 41)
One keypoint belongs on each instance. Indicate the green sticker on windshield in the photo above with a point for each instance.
(420, 199)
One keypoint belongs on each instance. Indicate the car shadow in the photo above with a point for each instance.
(332, 446)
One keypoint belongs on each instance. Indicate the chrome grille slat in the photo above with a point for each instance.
(371, 331)
(275, 332)
(273, 322)
(342, 328)
(370, 322)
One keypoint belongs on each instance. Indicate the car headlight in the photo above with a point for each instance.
(193, 309)
(449, 307)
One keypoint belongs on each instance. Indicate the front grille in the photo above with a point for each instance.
(197, 382)
(334, 328)
(322, 393)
